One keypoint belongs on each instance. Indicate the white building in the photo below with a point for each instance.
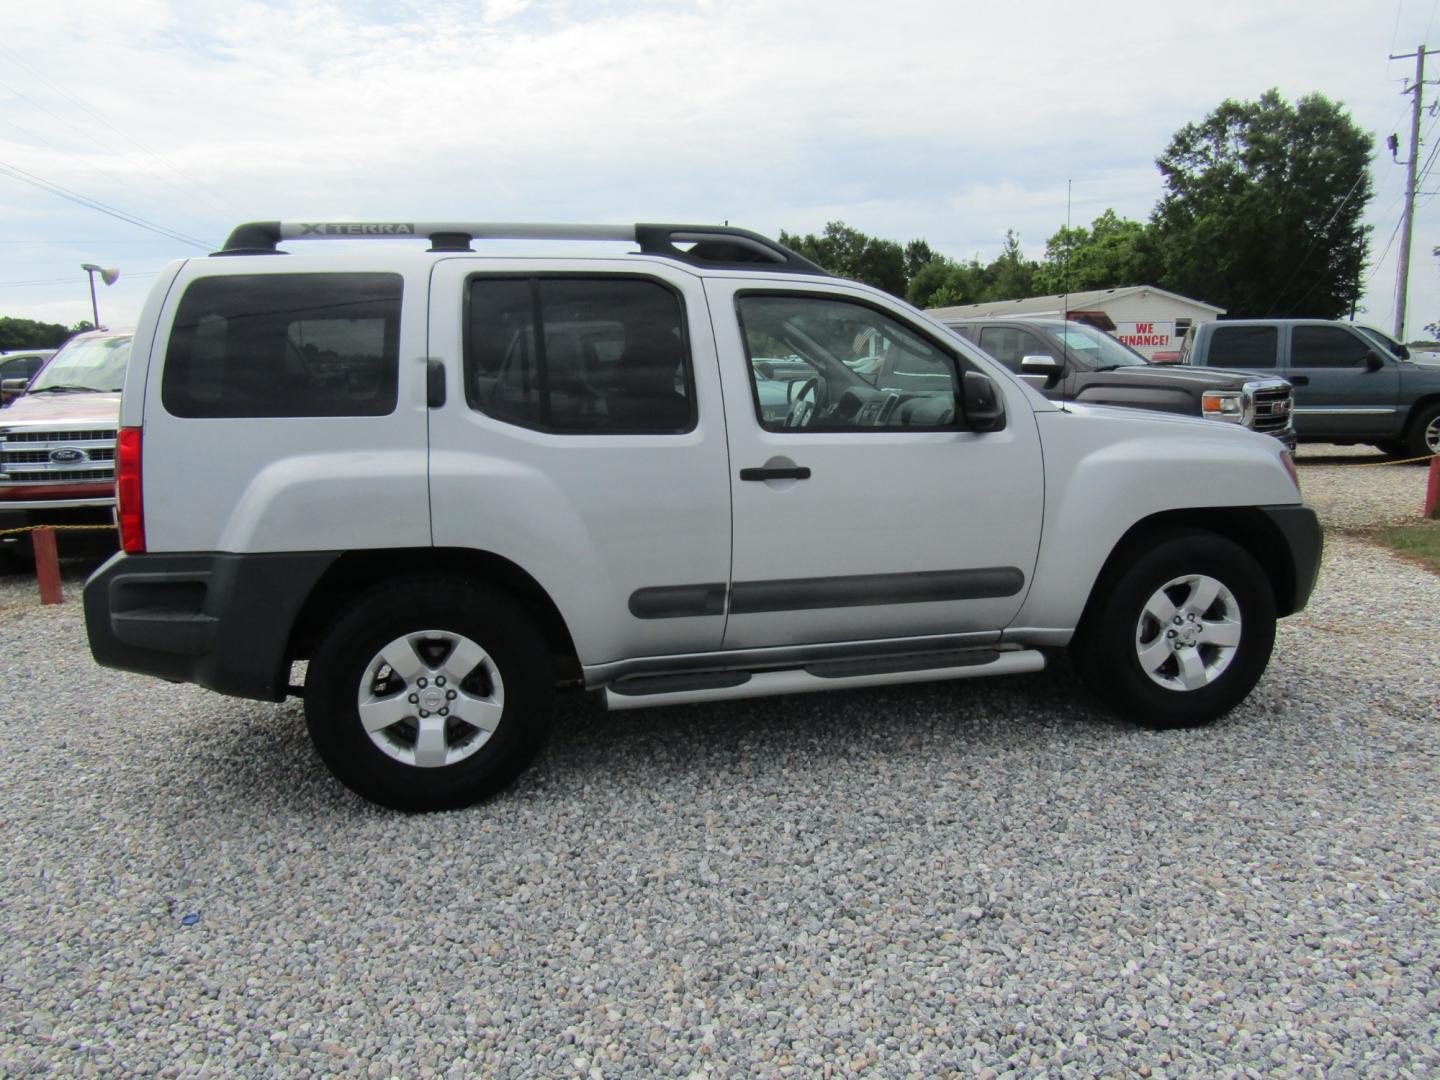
(1149, 320)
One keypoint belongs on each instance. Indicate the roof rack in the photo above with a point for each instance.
(698, 245)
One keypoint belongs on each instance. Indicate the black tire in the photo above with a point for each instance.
(1107, 647)
(1422, 437)
(516, 661)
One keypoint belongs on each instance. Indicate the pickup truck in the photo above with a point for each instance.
(57, 441)
(1349, 387)
(1070, 361)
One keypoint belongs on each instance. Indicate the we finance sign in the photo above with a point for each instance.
(1146, 335)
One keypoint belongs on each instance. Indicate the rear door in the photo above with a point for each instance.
(582, 439)
(1337, 390)
(863, 509)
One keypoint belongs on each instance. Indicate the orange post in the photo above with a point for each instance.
(47, 565)
(1432, 489)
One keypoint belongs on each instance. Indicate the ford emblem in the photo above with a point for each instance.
(67, 455)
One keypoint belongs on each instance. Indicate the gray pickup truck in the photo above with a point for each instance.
(1349, 388)
(1070, 361)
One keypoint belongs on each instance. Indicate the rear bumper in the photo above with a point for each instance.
(1300, 529)
(219, 620)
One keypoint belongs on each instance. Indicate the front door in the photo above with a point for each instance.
(1337, 390)
(862, 507)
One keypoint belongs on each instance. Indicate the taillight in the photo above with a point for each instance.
(128, 499)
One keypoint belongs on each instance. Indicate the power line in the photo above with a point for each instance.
(68, 280)
(192, 184)
(94, 204)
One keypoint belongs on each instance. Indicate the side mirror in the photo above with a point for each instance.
(1373, 361)
(1040, 365)
(14, 386)
(980, 403)
(1044, 369)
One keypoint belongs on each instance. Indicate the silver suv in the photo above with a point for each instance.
(678, 466)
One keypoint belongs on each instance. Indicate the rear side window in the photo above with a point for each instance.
(579, 355)
(1327, 346)
(285, 345)
(1243, 347)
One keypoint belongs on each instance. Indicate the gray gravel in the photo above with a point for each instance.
(985, 878)
(1357, 487)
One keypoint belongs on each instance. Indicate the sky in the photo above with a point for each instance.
(951, 122)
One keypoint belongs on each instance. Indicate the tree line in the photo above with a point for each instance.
(1261, 215)
(29, 334)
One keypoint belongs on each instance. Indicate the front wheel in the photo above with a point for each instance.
(1423, 436)
(1181, 635)
(429, 694)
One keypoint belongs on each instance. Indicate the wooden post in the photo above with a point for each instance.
(47, 565)
(1432, 489)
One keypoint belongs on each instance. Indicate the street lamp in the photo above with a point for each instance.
(109, 275)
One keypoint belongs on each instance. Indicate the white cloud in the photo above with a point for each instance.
(949, 121)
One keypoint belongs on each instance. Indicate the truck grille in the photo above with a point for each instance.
(57, 456)
(1273, 409)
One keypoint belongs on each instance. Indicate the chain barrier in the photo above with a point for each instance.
(1367, 464)
(57, 528)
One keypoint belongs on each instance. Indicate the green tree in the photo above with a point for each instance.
(850, 253)
(1113, 251)
(29, 334)
(1263, 206)
(1011, 276)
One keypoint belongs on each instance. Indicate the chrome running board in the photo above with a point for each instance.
(643, 692)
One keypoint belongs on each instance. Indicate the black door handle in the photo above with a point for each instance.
(1299, 380)
(793, 472)
(434, 383)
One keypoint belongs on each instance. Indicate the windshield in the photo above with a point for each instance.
(86, 364)
(1095, 348)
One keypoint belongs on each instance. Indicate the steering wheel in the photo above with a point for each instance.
(803, 404)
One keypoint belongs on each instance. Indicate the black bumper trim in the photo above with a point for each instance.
(1300, 529)
(222, 621)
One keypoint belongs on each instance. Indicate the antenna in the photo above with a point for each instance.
(1069, 240)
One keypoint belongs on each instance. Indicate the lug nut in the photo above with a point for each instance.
(420, 682)
(444, 712)
(1178, 621)
(449, 695)
(1168, 633)
(440, 680)
(423, 713)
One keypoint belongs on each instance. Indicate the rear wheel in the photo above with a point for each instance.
(1182, 634)
(429, 694)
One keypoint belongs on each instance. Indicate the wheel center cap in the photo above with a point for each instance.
(432, 699)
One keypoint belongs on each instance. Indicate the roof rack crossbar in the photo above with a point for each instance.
(704, 245)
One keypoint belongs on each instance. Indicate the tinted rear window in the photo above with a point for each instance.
(285, 345)
(579, 355)
(1243, 347)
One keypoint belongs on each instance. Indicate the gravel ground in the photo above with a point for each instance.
(984, 878)
(1355, 487)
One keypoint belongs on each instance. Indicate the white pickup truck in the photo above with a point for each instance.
(57, 441)
(663, 463)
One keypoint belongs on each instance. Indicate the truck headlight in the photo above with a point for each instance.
(1227, 405)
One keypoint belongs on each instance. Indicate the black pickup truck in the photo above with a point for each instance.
(1070, 361)
(1350, 387)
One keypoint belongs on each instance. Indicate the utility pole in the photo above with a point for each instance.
(1402, 273)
